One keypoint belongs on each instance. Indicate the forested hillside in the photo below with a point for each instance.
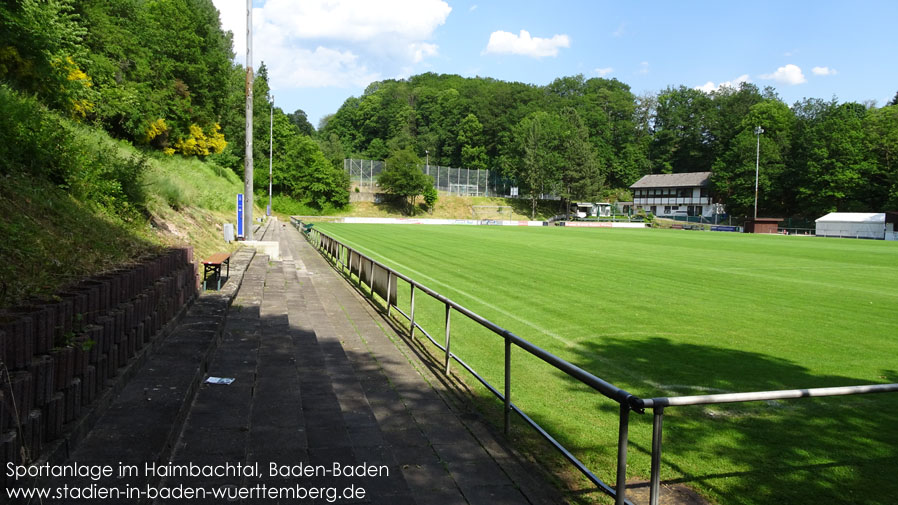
(581, 137)
(122, 131)
(160, 74)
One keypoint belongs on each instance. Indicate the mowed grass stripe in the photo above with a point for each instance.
(676, 312)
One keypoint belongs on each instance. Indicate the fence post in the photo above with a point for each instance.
(349, 263)
(448, 312)
(371, 281)
(507, 384)
(411, 330)
(389, 285)
(655, 491)
(620, 487)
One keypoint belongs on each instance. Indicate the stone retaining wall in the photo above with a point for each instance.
(58, 355)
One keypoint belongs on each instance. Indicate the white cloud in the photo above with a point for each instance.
(319, 43)
(824, 71)
(502, 42)
(604, 71)
(421, 50)
(358, 20)
(709, 86)
(318, 68)
(472, 8)
(644, 67)
(789, 74)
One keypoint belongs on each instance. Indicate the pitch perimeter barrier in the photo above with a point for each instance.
(379, 279)
(383, 280)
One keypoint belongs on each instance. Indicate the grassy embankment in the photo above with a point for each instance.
(76, 202)
(669, 312)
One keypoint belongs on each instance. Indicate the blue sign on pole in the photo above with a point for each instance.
(240, 215)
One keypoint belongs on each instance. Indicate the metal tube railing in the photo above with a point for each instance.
(659, 404)
(626, 400)
(607, 389)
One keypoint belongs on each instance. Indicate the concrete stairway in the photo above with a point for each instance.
(319, 380)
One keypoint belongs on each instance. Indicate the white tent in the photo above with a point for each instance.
(870, 225)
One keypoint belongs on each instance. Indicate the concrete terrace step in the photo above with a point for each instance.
(319, 379)
(444, 459)
(143, 421)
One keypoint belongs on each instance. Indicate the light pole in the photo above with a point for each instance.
(427, 160)
(758, 132)
(270, 148)
(248, 149)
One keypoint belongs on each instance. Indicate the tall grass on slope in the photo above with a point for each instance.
(76, 202)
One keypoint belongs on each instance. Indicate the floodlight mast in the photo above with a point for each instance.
(270, 148)
(758, 132)
(248, 151)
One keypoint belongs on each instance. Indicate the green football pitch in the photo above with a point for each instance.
(671, 312)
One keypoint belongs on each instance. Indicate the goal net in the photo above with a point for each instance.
(498, 212)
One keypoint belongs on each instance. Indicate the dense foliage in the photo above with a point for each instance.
(160, 75)
(583, 138)
(41, 145)
(404, 179)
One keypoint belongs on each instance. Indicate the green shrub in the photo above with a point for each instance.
(89, 164)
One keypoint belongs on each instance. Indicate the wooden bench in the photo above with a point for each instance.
(212, 265)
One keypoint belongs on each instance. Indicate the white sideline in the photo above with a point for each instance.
(422, 275)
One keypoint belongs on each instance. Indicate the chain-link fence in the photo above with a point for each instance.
(363, 172)
(454, 181)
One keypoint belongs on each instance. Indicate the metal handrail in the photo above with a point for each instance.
(621, 396)
(626, 400)
(659, 404)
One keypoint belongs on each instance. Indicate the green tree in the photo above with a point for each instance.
(470, 138)
(733, 177)
(831, 161)
(404, 179)
(681, 137)
(536, 158)
(581, 177)
(333, 149)
(299, 118)
(42, 51)
(881, 135)
(430, 197)
(377, 150)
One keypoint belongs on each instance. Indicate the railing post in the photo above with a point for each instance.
(371, 281)
(349, 261)
(448, 311)
(507, 384)
(389, 285)
(411, 330)
(622, 435)
(655, 491)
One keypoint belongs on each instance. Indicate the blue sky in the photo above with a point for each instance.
(320, 52)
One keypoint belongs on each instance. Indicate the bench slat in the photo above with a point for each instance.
(217, 259)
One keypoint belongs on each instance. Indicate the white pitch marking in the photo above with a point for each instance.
(463, 293)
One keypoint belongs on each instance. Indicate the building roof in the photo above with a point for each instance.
(853, 217)
(690, 179)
